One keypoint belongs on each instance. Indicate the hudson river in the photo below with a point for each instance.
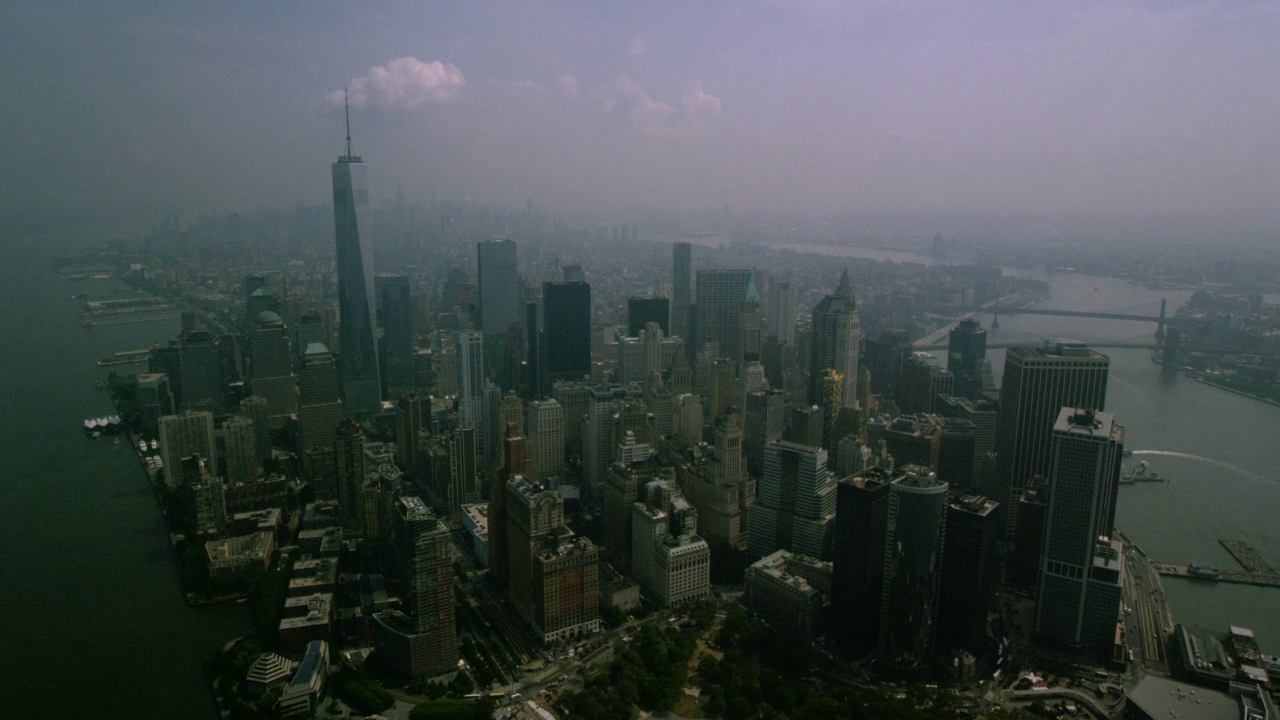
(93, 623)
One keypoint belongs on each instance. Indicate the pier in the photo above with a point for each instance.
(1247, 557)
(1256, 570)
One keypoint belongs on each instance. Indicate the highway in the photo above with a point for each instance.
(1147, 621)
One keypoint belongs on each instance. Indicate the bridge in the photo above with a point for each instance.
(1080, 313)
(931, 341)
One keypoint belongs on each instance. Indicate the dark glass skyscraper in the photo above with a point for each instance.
(641, 310)
(395, 319)
(496, 260)
(353, 228)
(912, 569)
(862, 508)
(566, 337)
(966, 349)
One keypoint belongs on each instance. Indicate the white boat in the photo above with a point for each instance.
(155, 444)
(142, 446)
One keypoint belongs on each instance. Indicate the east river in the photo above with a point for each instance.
(93, 621)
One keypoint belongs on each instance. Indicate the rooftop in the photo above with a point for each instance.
(1160, 697)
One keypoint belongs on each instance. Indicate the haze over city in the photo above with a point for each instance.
(1069, 112)
(742, 359)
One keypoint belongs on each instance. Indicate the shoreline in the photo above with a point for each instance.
(1241, 393)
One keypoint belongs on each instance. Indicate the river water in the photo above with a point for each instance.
(92, 618)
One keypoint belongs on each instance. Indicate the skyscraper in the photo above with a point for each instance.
(189, 434)
(795, 506)
(643, 310)
(471, 388)
(782, 310)
(1081, 566)
(241, 442)
(566, 337)
(348, 456)
(423, 640)
(966, 349)
(764, 421)
(834, 342)
(969, 572)
(353, 228)
(667, 556)
(544, 431)
(681, 295)
(721, 295)
(553, 574)
(498, 287)
(862, 508)
(1038, 382)
(912, 569)
(395, 318)
(272, 371)
(499, 302)
(320, 409)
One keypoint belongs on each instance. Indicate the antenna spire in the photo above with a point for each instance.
(346, 106)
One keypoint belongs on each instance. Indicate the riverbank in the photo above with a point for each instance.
(1204, 381)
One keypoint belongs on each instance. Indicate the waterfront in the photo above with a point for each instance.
(95, 624)
(91, 598)
(1214, 446)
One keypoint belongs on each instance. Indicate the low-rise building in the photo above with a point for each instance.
(241, 554)
(789, 591)
(317, 575)
(306, 619)
(268, 671)
(301, 697)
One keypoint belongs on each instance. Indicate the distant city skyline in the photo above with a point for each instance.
(1080, 113)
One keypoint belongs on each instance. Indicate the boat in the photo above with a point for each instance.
(142, 446)
(100, 384)
(1142, 473)
(155, 444)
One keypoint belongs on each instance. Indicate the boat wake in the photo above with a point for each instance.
(1226, 465)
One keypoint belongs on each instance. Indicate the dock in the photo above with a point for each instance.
(1256, 570)
(1247, 557)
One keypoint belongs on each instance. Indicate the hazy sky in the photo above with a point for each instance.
(1074, 108)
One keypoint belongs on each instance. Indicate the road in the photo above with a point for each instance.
(1148, 623)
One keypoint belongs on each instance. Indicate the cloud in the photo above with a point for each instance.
(568, 85)
(403, 83)
(699, 106)
(653, 117)
(637, 47)
(627, 99)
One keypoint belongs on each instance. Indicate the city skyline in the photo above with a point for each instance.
(1084, 114)
(649, 365)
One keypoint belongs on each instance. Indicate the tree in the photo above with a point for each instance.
(461, 684)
